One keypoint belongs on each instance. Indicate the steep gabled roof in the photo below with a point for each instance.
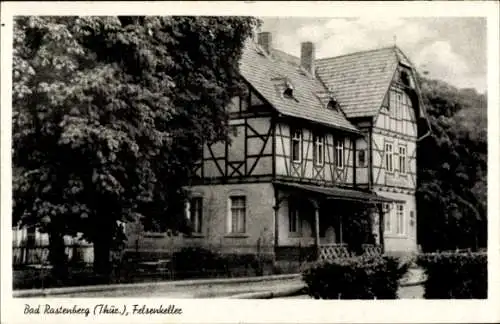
(284, 56)
(360, 80)
(264, 73)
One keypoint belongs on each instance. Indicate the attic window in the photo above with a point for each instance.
(404, 78)
(332, 104)
(288, 92)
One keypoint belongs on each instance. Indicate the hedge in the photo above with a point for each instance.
(455, 275)
(196, 262)
(359, 277)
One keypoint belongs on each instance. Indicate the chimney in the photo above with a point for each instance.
(307, 56)
(265, 40)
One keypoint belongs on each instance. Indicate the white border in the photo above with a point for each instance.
(271, 311)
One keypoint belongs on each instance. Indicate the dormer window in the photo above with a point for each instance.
(284, 87)
(288, 92)
(332, 104)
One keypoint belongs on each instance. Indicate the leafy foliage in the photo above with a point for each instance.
(452, 167)
(358, 226)
(109, 114)
(356, 278)
(455, 275)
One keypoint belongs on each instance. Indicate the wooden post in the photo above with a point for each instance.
(276, 209)
(340, 229)
(316, 229)
(381, 224)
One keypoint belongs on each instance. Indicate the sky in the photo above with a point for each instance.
(449, 48)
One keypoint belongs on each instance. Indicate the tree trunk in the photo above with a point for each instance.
(57, 255)
(102, 256)
(102, 252)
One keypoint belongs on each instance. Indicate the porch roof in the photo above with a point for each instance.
(337, 193)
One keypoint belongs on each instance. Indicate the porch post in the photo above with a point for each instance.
(341, 230)
(316, 227)
(381, 225)
(276, 208)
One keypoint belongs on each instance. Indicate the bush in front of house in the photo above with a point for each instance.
(359, 277)
(248, 264)
(198, 262)
(455, 275)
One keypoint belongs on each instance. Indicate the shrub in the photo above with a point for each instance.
(196, 262)
(355, 278)
(455, 275)
(248, 264)
(287, 267)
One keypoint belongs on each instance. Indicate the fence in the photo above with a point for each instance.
(135, 266)
(33, 249)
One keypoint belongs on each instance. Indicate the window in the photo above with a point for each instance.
(293, 218)
(234, 130)
(361, 158)
(404, 111)
(392, 104)
(332, 104)
(400, 219)
(288, 92)
(318, 150)
(396, 104)
(388, 157)
(387, 218)
(404, 78)
(402, 159)
(399, 103)
(244, 102)
(238, 214)
(296, 145)
(196, 213)
(339, 154)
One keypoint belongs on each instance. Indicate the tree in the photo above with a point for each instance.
(109, 114)
(452, 166)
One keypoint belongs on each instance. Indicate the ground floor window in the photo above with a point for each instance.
(293, 218)
(196, 213)
(387, 218)
(400, 219)
(237, 215)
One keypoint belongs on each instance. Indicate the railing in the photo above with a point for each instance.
(326, 252)
(371, 250)
(333, 251)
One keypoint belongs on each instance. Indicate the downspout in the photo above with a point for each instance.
(429, 132)
(421, 105)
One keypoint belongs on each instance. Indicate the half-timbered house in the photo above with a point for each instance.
(314, 142)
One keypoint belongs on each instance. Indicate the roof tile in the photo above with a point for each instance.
(360, 80)
(261, 70)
